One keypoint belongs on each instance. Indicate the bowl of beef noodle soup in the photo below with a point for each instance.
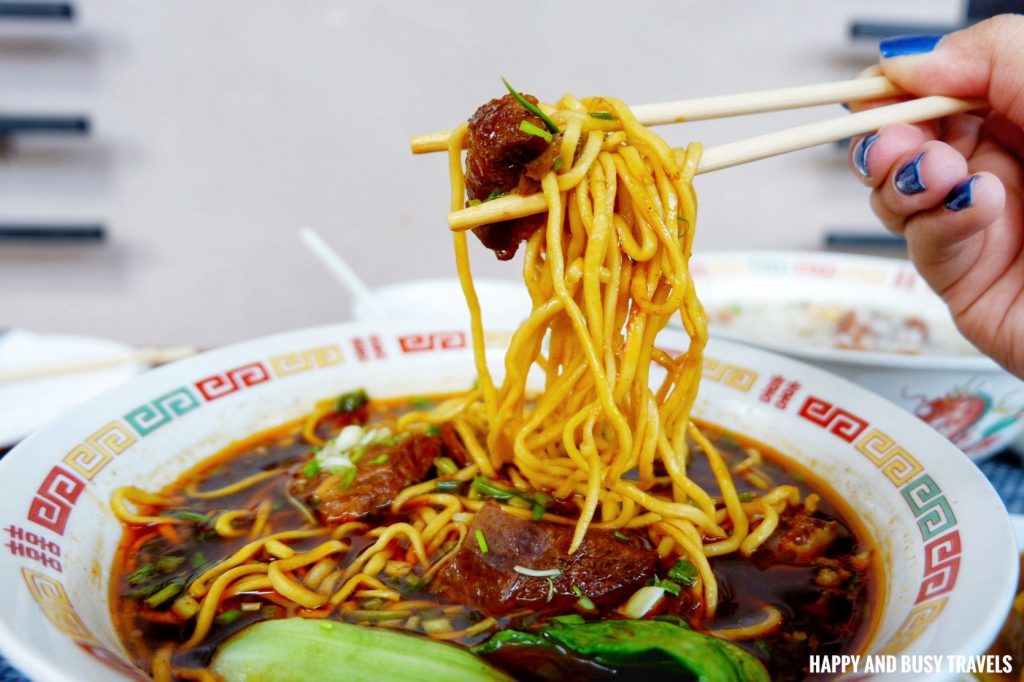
(325, 504)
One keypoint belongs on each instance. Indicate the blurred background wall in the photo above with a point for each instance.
(218, 128)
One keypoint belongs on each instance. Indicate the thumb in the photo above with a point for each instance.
(985, 60)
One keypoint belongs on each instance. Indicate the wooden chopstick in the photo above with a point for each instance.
(856, 90)
(150, 356)
(735, 153)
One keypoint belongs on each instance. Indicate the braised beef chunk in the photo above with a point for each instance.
(800, 539)
(498, 149)
(452, 445)
(605, 569)
(499, 153)
(377, 480)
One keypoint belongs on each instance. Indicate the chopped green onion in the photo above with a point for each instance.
(603, 115)
(531, 107)
(488, 489)
(357, 453)
(195, 517)
(448, 486)
(348, 478)
(535, 130)
(619, 535)
(543, 499)
(557, 164)
(445, 466)
(538, 573)
(141, 574)
(433, 430)
(166, 564)
(569, 619)
(185, 606)
(378, 460)
(747, 496)
(481, 541)
(683, 572)
(436, 626)
(143, 591)
(417, 583)
(642, 601)
(373, 604)
(494, 195)
(473, 202)
(421, 402)
(311, 468)
(672, 588)
(538, 512)
(228, 617)
(352, 401)
(163, 594)
(198, 560)
(584, 601)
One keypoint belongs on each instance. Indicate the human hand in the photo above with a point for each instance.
(955, 187)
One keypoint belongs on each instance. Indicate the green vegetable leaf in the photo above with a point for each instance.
(494, 195)
(603, 115)
(292, 649)
(637, 644)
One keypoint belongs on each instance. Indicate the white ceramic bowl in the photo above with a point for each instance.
(440, 301)
(945, 541)
(968, 398)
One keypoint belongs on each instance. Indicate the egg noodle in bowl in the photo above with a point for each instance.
(581, 516)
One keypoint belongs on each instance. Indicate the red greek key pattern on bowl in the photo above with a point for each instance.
(941, 566)
(305, 360)
(898, 465)
(90, 456)
(916, 622)
(368, 348)
(53, 600)
(53, 501)
(414, 343)
(733, 376)
(220, 385)
(779, 391)
(832, 418)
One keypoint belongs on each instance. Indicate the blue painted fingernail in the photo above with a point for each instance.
(908, 178)
(860, 154)
(901, 46)
(961, 196)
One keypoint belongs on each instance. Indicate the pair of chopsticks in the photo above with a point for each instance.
(744, 151)
(149, 356)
